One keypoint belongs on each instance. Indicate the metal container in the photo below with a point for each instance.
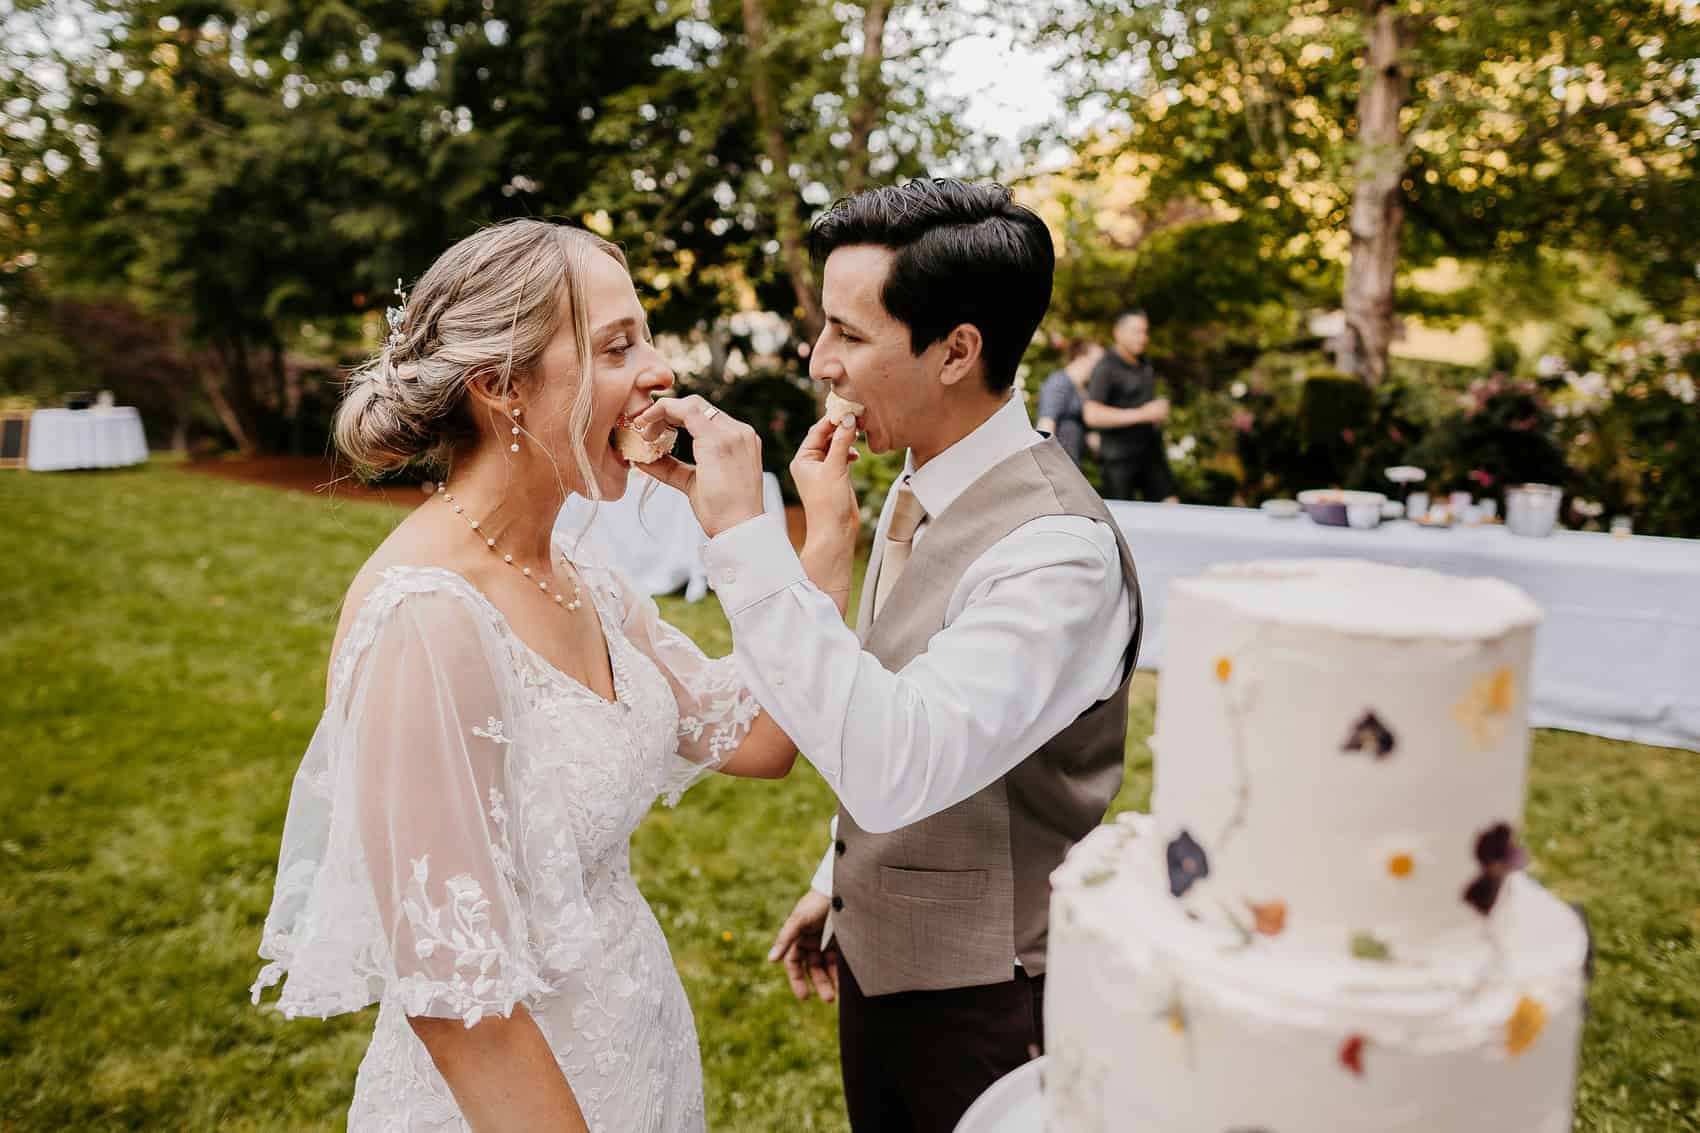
(1532, 510)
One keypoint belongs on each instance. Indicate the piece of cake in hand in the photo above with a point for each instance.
(840, 408)
(637, 448)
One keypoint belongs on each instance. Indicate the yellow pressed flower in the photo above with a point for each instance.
(1502, 690)
(1269, 917)
(1401, 865)
(1524, 1026)
(1483, 709)
(1224, 669)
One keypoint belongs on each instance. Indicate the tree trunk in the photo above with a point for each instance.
(1378, 213)
(719, 350)
(870, 95)
(233, 397)
(227, 415)
(793, 255)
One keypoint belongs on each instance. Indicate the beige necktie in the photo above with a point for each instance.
(906, 516)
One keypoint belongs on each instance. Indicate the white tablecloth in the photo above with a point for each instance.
(1618, 654)
(658, 542)
(61, 439)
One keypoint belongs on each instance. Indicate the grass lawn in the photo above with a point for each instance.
(162, 652)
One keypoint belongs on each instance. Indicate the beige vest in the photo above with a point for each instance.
(953, 900)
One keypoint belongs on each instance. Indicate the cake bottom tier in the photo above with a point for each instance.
(1158, 1024)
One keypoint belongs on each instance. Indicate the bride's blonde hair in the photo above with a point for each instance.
(488, 306)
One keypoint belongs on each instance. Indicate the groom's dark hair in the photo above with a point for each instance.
(965, 253)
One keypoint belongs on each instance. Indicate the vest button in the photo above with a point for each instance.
(839, 847)
(838, 904)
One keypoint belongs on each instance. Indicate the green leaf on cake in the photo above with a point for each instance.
(1368, 946)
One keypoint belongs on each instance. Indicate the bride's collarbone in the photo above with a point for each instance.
(570, 640)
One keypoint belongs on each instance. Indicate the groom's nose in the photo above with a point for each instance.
(823, 365)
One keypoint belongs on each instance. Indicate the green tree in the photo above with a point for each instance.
(268, 170)
(1384, 133)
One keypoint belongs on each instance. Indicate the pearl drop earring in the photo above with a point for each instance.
(515, 446)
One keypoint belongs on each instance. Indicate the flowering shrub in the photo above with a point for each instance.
(1630, 425)
(1501, 434)
(1614, 432)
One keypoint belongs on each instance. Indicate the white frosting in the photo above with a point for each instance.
(1372, 599)
(1254, 767)
(1319, 927)
(1161, 1024)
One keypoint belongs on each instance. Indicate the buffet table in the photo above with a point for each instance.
(63, 439)
(657, 542)
(1618, 654)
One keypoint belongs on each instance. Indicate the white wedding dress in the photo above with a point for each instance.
(457, 843)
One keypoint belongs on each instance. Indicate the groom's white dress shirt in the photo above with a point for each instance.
(1036, 633)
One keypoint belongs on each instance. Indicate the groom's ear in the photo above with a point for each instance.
(963, 348)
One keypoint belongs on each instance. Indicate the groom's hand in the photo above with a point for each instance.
(725, 487)
(798, 946)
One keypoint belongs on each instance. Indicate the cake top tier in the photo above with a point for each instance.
(1365, 599)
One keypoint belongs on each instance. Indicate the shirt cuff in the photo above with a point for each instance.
(752, 561)
(822, 882)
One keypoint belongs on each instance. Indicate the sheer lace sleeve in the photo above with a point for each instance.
(398, 875)
(715, 708)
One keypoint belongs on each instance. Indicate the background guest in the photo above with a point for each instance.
(1062, 398)
(1122, 403)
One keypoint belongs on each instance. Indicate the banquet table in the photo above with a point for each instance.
(1617, 655)
(63, 439)
(656, 541)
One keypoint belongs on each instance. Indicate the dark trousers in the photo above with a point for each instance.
(915, 1061)
(1140, 474)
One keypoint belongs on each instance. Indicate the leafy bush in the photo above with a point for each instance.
(1631, 424)
(1335, 411)
(1503, 434)
(779, 406)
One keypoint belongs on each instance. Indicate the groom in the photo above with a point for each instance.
(973, 725)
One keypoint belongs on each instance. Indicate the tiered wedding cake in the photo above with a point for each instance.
(1321, 927)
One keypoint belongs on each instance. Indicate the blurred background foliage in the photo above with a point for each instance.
(205, 207)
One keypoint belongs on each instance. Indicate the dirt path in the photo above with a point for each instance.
(317, 476)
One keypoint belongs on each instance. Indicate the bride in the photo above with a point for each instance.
(499, 717)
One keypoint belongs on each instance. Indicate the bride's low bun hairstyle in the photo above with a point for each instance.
(488, 306)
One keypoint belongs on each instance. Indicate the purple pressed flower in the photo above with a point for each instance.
(1499, 855)
(1370, 735)
(1187, 863)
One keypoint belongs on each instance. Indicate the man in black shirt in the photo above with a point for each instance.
(1122, 404)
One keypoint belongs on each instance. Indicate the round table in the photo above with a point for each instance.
(650, 533)
(63, 439)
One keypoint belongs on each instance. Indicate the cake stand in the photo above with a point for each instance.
(1014, 1103)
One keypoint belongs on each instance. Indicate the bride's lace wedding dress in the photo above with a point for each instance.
(457, 843)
